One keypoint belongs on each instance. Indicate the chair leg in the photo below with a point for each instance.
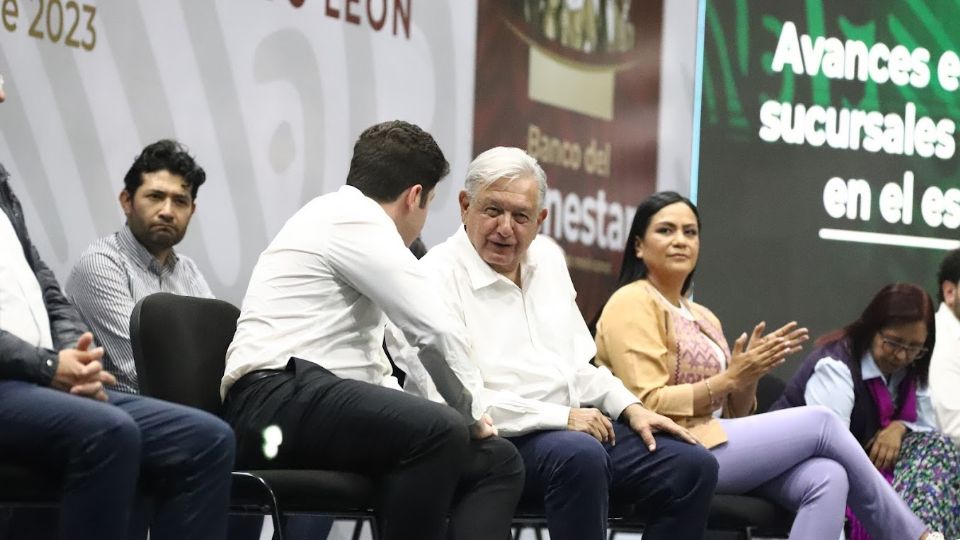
(277, 524)
(275, 517)
(357, 529)
(271, 501)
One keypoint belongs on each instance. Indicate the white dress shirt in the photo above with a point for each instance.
(320, 290)
(831, 385)
(530, 343)
(22, 311)
(945, 373)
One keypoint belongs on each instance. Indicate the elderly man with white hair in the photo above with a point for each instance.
(583, 436)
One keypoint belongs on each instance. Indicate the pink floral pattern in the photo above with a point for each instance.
(696, 359)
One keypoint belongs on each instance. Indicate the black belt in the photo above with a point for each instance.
(254, 376)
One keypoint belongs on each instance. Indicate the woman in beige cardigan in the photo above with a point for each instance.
(671, 352)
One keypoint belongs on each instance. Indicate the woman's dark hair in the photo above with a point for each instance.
(633, 268)
(897, 303)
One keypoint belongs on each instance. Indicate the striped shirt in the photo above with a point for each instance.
(110, 277)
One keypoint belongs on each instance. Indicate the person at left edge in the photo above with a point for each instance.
(56, 416)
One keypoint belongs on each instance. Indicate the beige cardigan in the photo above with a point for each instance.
(636, 339)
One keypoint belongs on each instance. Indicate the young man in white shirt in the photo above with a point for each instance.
(307, 355)
(945, 361)
(511, 290)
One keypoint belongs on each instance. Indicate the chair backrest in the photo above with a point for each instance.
(769, 389)
(179, 347)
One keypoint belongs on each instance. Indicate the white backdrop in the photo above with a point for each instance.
(677, 74)
(268, 97)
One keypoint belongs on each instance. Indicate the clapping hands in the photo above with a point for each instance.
(754, 356)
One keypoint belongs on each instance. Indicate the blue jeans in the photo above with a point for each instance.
(575, 475)
(127, 463)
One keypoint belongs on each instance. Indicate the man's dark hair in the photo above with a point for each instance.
(390, 157)
(949, 271)
(168, 155)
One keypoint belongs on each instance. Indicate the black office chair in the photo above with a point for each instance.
(621, 518)
(745, 516)
(179, 347)
(769, 389)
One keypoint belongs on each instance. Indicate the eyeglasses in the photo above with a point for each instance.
(894, 347)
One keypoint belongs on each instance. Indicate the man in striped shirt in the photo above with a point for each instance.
(115, 272)
(57, 417)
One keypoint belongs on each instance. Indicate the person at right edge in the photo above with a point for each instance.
(671, 352)
(945, 359)
(307, 356)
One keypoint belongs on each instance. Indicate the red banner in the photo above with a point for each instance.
(576, 84)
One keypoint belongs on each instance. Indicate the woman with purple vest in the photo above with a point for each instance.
(671, 352)
(873, 374)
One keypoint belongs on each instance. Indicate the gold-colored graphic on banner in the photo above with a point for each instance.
(562, 85)
(566, 80)
(591, 27)
(588, 26)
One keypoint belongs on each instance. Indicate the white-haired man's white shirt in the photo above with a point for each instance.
(945, 373)
(530, 343)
